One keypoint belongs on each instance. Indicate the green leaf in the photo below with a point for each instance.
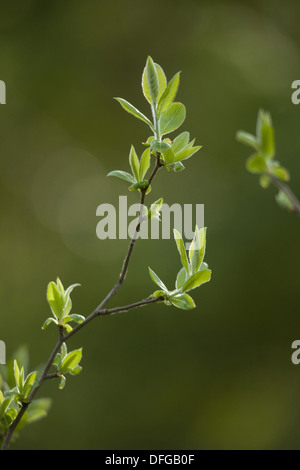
(169, 94)
(181, 249)
(158, 293)
(60, 286)
(247, 139)
(77, 318)
(18, 376)
(197, 249)
(64, 350)
(62, 382)
(4, 406)
(29, 382)
(159, 146)
(162, 81)
(144, 164)
(155, 208)
(48, 321)
(196, 280)
(76, 370)
(135, 112)
(181, 277)
(281, 173)
(283, 201)
(178, 166)
(153, 81)
(57, 361)
(256, 164)
(264, 181)
(172, 118)
(123, 175)
(55, 300)
(140, 185)
(183, 301)
(70, 289)
(71, 360)
(180, 142)
(157, 280)
(186, 153)
(134, 163)
(268, 144)
(259, 123)
(169, 156)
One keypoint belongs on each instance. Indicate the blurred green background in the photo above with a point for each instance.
(220, 376)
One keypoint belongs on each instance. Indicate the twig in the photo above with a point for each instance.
(97, 312)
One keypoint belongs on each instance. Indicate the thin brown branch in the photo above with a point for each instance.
(97, 312)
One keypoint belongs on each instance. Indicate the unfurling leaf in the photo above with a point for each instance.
(134, 163)
(144, 164)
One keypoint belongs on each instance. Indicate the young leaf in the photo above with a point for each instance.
(181, 277)
(264, 181)
(71, 360)
(281, 173)
(48, 321)
(180, 142)
(140, 185)
(18, 376)
(186, 153)
(178, 166)
(135, 112)
(77, 318)
(283, 201)
(183, 301)
(172, 118)
(169, 156)
(144, 164)
(62, 382)
(123, 175)
(157, 280)
(4, 406)
(160, 146)
(134, 163)
(197, 249)
(29, 382)
(256, 164)
(55, 300)
(267, 136)
(169, 94)
(247, 139)
(196, 280)
(60, 286)
(76, 370)
(151, 84)
(181, 249)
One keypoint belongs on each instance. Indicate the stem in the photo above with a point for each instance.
(289, 193)
(97, 312)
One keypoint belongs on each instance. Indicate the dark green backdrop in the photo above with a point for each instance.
(156, 378)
